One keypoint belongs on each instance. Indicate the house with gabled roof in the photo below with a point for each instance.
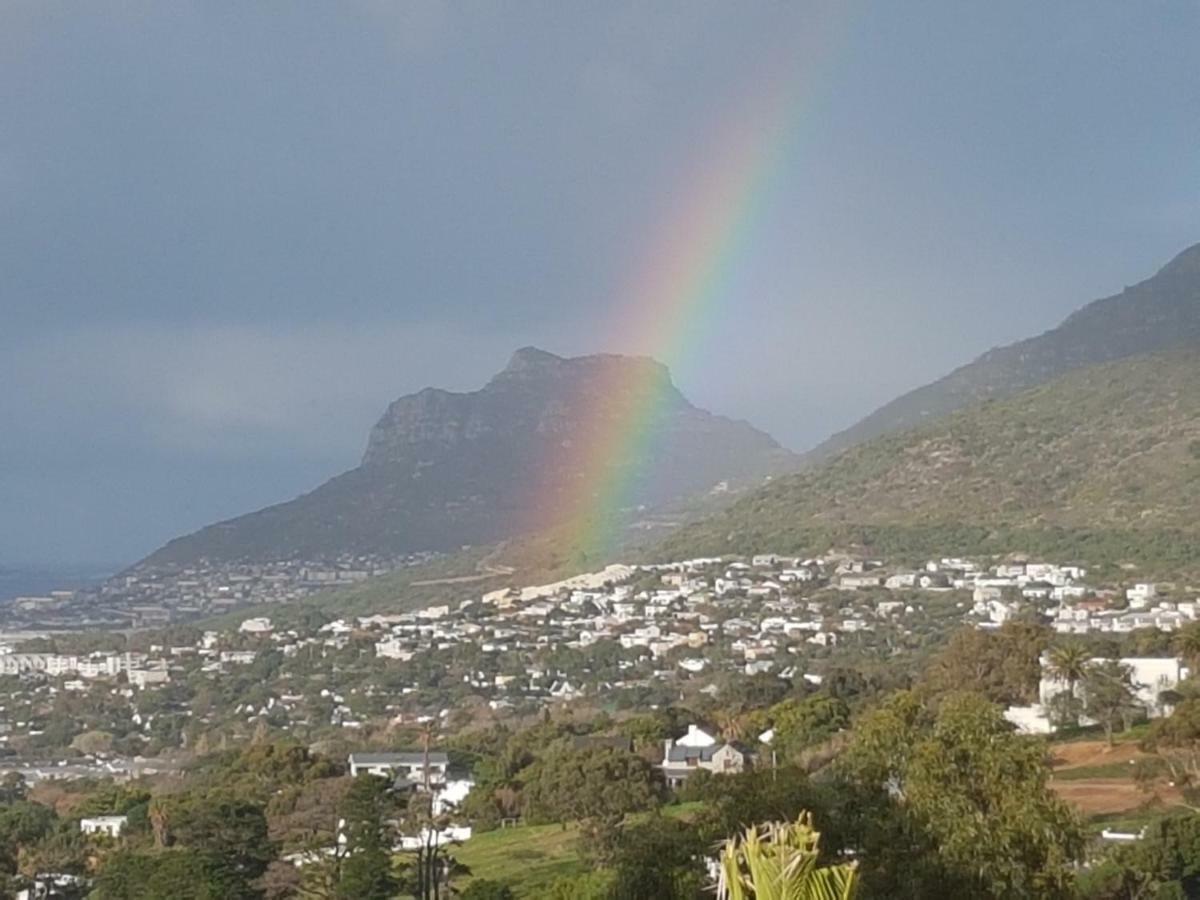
(700, 750)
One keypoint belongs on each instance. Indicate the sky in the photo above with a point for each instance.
(231, 233)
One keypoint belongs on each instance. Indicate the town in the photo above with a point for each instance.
(376, 691)
(148, 595)
(637, 635)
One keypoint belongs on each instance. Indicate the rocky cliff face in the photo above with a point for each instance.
(1160, 313)
(538, 393)
(445, 469)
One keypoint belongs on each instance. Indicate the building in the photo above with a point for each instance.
(699, 750)
(409, 766)
(109, 825)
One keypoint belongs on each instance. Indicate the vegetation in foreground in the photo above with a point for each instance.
(917, 792)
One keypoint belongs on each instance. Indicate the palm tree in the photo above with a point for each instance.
(160, 821)
(732, 725)
(1068, 662)
(778, 861)
(1187, 644)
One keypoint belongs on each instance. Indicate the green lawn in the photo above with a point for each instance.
(528, 858)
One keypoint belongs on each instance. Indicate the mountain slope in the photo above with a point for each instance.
(445, 469)
(1157, 314)
(1108, 450)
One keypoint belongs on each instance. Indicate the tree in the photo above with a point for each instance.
(953, 795)
(590, 785)
(1108, 696)
(231, 834)
(93, 742)
(1187, 644)
(1064, 709)
(176, 873)
(22, 825)
(366, 871)
(1003, 665)
(1164, 863)
(1175, 743)
(659, 859)
(799, 724)
(1069, 663)
(13, 787)
(64, 850)
(778, 861)
(735, 802)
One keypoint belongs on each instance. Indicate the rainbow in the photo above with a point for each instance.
(665, 308)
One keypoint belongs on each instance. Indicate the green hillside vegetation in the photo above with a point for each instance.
(1102, 465)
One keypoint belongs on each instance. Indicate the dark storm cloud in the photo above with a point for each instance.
(231, 232)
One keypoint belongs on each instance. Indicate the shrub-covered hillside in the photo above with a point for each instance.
(1102, 463)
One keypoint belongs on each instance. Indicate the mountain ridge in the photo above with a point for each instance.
(1159, 313)
(1107, 455)
(445, 469)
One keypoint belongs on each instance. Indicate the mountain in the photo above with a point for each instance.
(1157, 314)
(1102, 463)
(445, 469)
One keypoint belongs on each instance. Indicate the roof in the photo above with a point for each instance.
(704, 754)
(397, 759)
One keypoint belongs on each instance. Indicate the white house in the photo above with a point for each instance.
(699, 750)
(257, 625)
(410, 766)
(1151, 676)
(109, 825)
(144, 677)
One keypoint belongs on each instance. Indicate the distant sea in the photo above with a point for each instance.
(37, 581)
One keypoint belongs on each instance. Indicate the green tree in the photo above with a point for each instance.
(230, 834)
(1175, 744)
(779, 861)
(1064, 709)
(799, 724)
(659, 859)
(1069, 663)
(179, 873)
(366, 871)
(22, 825)
(735, 802)
(597, 785)
(1165, 863)
(1108, 696)
(1003, 665)
(955, 796)
(1187, 644)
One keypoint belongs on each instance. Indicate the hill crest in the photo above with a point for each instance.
(444, 469)
(1157, 314)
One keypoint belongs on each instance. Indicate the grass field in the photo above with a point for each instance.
(529, 858)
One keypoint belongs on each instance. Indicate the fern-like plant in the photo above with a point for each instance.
(778, 861)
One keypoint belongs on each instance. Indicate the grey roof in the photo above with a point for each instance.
(398, 759)
(679, 754)
(683, 754)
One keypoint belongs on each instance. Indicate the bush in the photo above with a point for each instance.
(487, 889)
